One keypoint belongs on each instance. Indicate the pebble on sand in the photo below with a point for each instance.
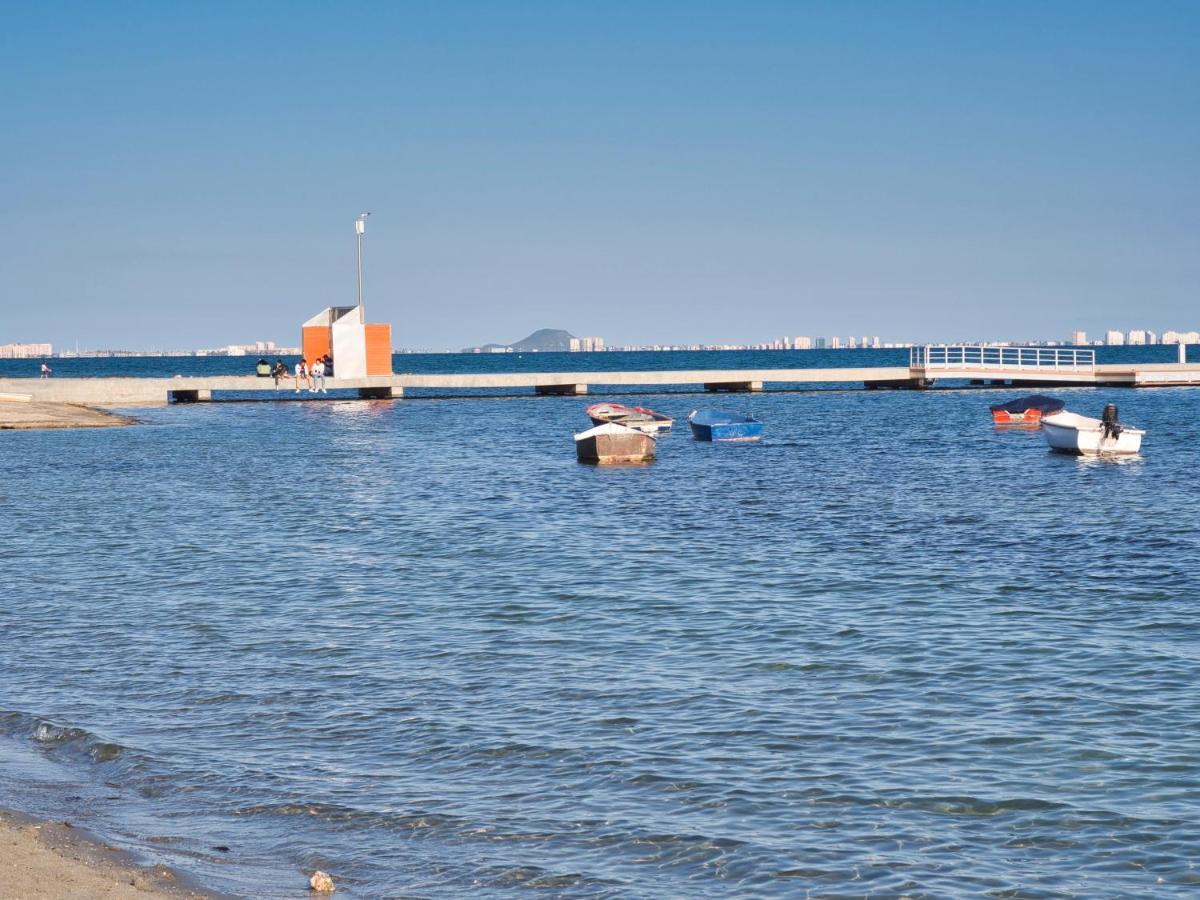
(321, 882)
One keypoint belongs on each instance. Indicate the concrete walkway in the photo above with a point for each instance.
(132, 392)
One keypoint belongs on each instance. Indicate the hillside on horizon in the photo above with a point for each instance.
(544, 340)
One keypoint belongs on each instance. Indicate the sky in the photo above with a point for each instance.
(180, 175)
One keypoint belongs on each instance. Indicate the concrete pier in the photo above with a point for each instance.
(135, 392)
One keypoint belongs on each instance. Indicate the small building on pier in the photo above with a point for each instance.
(358, 349)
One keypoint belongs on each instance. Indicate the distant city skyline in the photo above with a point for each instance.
(709, 173)
(596, 343)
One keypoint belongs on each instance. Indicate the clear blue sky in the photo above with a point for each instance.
(187, 174)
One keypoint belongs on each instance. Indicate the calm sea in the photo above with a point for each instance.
(890, 649)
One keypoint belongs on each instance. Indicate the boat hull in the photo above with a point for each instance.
(1068, 433)
(611, 444)
(731, 431)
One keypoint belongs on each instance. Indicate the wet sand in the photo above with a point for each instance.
(24, 414)
(54, 861)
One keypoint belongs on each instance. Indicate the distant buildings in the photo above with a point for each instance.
(25, 351)
(258, 348)
(1181, 337)
(1115, 338)
(853, 342)
(1138, 337)
(786, 342)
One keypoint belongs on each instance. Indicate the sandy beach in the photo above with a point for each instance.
(54, 861)
(18, 414)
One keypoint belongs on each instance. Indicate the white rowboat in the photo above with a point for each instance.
(1069, 432)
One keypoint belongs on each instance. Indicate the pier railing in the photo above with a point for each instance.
(957, 356)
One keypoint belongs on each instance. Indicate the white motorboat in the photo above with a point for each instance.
(1069, 432)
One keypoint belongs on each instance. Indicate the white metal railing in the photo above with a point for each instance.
(961, 356)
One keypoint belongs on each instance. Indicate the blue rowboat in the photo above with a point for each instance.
(714, 425)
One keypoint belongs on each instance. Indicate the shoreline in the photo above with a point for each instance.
(21, 415)
(62, 836)
(43, 859)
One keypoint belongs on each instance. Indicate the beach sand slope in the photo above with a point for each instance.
(52, 861)
(18, 414)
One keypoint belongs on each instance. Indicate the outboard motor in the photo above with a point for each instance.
(1108, 421)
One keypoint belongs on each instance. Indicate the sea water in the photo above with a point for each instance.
(889, 649)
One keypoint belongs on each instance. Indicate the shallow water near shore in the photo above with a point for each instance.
(888, 649)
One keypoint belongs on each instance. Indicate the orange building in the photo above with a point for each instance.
(358, 349)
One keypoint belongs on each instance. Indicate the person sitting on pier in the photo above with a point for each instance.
(318, 376)
(262, 368)
(328, 360)
(280, 372)
(301, 373)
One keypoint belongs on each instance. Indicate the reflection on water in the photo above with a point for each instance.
(1106, 459)
(625, 464)
(889, 649)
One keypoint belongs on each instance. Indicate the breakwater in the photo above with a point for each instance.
(1024, 368)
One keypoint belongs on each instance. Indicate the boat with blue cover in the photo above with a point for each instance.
(714, 425)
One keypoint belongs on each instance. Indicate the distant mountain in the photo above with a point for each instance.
(544, 340)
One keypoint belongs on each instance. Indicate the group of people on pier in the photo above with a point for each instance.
(308, 375)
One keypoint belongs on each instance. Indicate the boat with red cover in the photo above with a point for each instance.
(638, 418)
(1025, 410)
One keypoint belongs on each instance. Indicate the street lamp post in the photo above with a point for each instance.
(360, 228)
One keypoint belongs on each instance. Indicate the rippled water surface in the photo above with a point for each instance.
(890, 649)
